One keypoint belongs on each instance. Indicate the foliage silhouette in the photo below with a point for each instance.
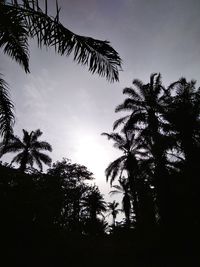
(60, 213)
(113, 210)
(124, 188)
(6, 112)
(147, 104)
(21, 20)
(128, 163)
(30, 150)
(94, 203)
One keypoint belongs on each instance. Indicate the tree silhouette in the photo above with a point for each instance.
(6, 112)
(128, 162)
(94, 203)
(113, 210)
(185, 103)
(30, 150)
(184, 125)
(123, 188)
(21, 20)
(147, 104)
(72, 178)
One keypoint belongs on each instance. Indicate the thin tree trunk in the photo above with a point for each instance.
(133, 186)
(24, 162)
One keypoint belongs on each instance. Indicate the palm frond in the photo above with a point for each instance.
(135, 118)
(6, 112)
(114, 169)
(120, 121)
(172, 85)
(152, 76)
(10, 148)
(14, 36)
(26, 137)
(43, 157)
(129, 104)
(158, 85)
(138, 83)
(18, 158)
(35, 135)
(132, 94)
(42, 145)
(115, 137)
(98, 55)
(38, 162)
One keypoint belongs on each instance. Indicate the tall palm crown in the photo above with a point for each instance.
(94, 203)
(128, 162)
(127, 143)
(113, 210)
(146, 104)
(21, 20)
(184, 102)
(29, 150)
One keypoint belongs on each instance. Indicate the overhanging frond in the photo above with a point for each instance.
(114, 168)
(6, 112)
(120, 121)
(14, 36)
(98, 55)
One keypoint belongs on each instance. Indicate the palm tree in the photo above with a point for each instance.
(123, 188)
(94, 203)
(128, 162)
(21, 20)
(185, 103)
(29, 150)
(183, 114)
(147, 105)
(113, 210)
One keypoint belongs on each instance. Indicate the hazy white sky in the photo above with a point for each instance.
(73, 107)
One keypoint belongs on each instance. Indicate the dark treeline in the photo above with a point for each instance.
(59, 218)
(159, 168)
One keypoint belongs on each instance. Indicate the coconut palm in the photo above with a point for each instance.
(123, 188)
(183, 115)
(128, 163)
(94, 203)
(127, 143)
(147, 104)
(113, 210)
(29, 149)
(185, 103)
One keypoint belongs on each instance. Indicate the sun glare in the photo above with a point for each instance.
(91, 153)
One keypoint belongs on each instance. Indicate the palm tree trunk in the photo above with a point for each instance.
(113, 220)
(133, 186)
(24, 162)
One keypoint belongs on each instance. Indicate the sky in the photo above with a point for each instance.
(71, 106)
